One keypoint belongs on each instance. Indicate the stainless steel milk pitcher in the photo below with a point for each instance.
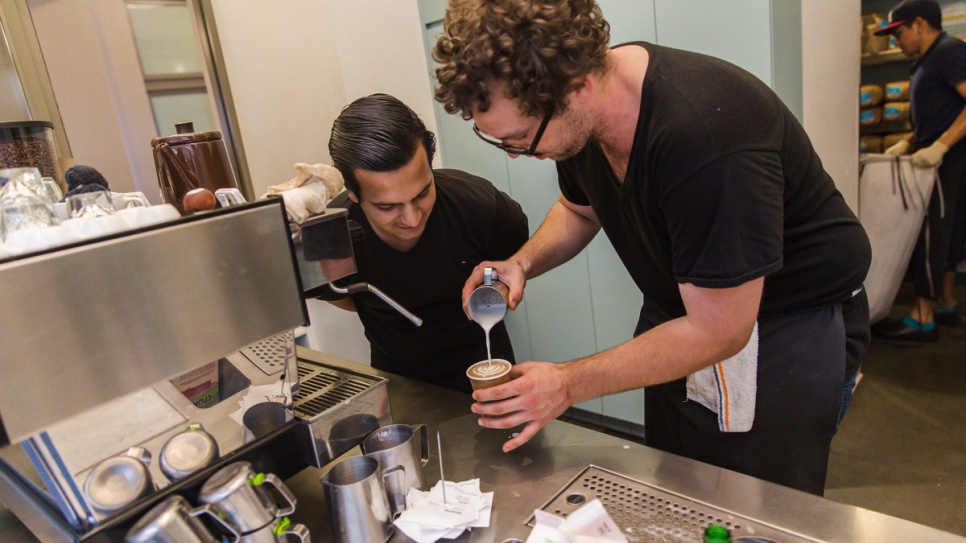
(356, 493)
(241, 497)
(487, 303)
(175, 521)
(397, 445)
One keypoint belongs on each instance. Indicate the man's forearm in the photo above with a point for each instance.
(562, 235)
(717, 326)
(668, 352)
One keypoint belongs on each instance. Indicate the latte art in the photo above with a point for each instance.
(489, 370)
(487, 374)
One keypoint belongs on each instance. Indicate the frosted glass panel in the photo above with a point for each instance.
(165, 38)
(175, 108)
(13, 103)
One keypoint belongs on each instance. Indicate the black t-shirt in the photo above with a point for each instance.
(935, 103)
(722, 187)
(471, 222)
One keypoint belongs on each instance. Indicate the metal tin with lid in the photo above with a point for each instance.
(191, 160)
(187, 452)
(119, 481)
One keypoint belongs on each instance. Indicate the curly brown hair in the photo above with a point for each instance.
(537, 47)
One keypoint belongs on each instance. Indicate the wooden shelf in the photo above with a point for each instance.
(885, 57)
(892, 55)
(885, 128)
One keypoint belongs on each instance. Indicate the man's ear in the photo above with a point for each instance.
(352, 196)
(582, 86)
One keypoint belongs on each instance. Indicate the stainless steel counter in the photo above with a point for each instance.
(528, 477)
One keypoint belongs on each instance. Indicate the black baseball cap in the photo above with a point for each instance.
(908, 10)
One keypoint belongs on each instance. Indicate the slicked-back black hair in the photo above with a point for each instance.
(377, 133)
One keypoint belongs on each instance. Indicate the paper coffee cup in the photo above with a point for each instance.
(489, 373)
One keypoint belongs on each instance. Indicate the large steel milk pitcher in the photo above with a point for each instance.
(356, 494)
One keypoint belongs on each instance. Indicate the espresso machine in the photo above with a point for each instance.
(118, 347)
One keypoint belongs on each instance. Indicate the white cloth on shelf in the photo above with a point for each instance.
(309, 191)
(728, 388)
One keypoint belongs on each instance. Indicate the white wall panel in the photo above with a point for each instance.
(286, 80)
(96, 77)
(830, 77)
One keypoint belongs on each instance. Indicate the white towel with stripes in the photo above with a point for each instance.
(728, 388)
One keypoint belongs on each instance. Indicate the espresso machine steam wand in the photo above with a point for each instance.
(356, 288)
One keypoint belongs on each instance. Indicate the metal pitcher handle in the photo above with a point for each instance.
(272, 479)
(299, 531)
(396, 487)
(490, 276)
(285, 528)
(423, 442)
(206, 509)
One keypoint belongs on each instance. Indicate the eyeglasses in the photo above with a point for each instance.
(530, 151)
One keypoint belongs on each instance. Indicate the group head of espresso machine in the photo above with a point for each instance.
(119, 348)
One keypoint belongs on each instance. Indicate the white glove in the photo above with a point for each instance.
(930, 156)
(898, 149)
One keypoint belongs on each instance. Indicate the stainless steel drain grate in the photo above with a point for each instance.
(269, 354)
(649, 514)
(321, 388)
(339, 406)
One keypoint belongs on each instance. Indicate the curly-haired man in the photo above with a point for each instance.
(750, 261)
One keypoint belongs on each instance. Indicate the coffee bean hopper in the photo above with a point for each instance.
(177, 334)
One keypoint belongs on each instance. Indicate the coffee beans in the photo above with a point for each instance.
(28, 144)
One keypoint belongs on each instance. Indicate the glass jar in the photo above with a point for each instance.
(29, 144)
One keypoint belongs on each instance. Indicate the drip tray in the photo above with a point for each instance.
(339, 408)
(647, 513)
(269, 355)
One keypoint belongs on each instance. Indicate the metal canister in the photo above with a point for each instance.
(191, 160)
(118, 481)
(187, 452)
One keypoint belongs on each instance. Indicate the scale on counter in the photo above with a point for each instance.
(647, 513)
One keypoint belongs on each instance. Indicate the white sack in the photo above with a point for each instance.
(893, 199)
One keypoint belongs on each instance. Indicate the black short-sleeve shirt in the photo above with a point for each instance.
(471, 222)
(935, 103)
(722, 187)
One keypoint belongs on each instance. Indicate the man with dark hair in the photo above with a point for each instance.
(425, 230)
(750, 261)
(937, 94)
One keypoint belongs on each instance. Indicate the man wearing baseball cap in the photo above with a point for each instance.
(937, 92)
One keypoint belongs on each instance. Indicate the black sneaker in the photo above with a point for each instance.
(945, 316)
(906, 329)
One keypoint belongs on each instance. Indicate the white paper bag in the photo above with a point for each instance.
(893, 199)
